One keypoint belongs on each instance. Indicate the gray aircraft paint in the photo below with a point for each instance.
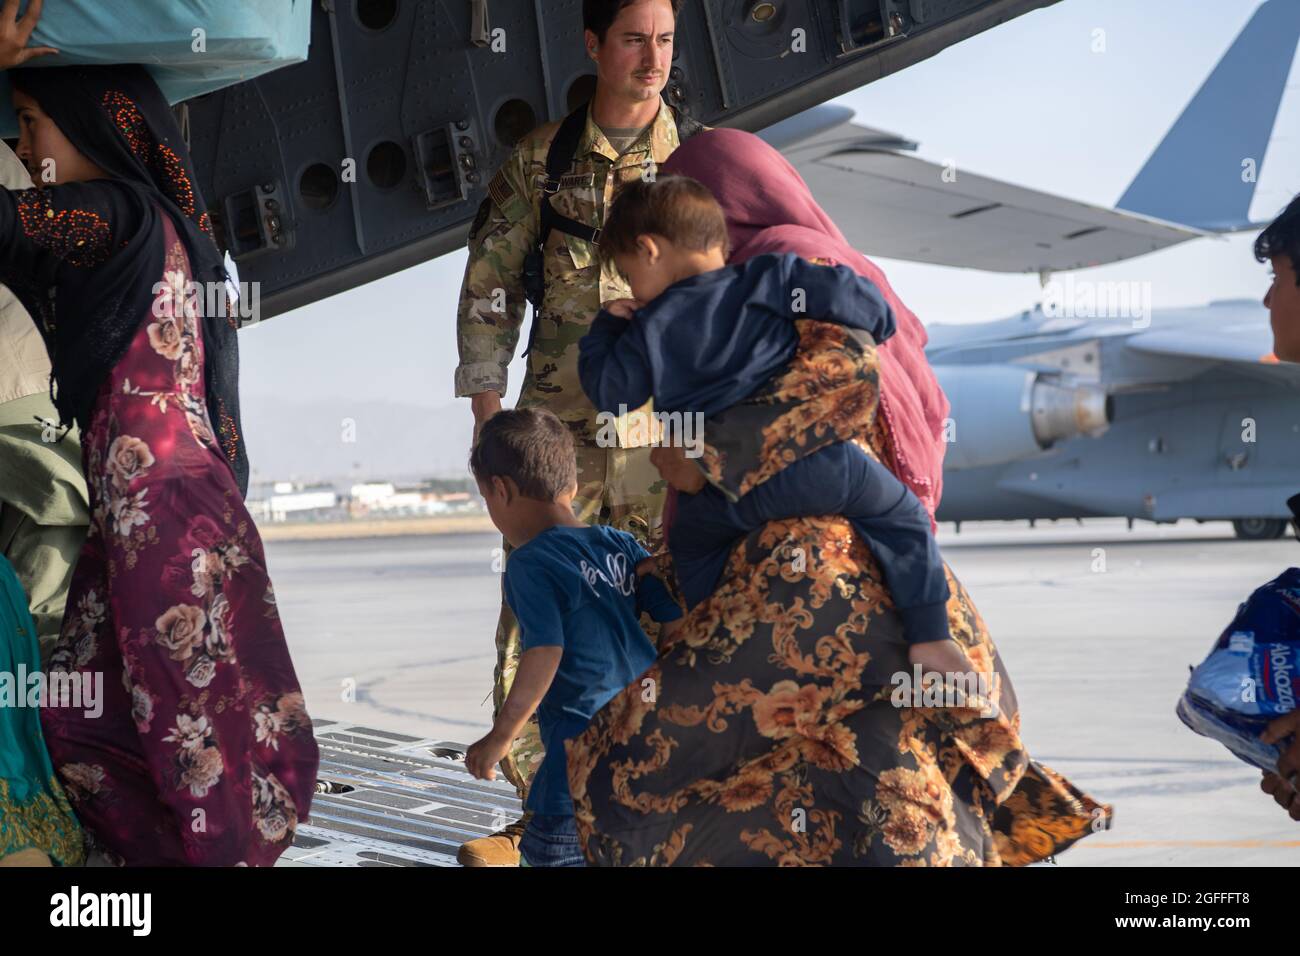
(1207, 433)
(1196, 175)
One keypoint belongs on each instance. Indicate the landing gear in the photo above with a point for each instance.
(1259, 529)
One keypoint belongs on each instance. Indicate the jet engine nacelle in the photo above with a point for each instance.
(1003, 413)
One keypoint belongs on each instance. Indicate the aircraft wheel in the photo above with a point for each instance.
(1259, 529)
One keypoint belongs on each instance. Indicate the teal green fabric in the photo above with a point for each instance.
(243, 40)
(34, 812)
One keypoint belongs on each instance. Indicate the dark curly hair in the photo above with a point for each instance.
(1282, 238)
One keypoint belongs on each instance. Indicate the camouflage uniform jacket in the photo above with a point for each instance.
(492, 301)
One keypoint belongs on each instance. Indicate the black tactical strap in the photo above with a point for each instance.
(559, 158)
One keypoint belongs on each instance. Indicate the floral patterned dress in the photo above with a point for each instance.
(773, 734)
(203, 753)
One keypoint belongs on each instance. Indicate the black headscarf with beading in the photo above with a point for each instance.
(119, 119)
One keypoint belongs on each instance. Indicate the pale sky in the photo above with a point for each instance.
(1028, 102)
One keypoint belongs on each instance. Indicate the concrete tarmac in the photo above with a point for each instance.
(1098, 627)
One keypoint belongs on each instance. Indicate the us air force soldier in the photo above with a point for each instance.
(535, 239)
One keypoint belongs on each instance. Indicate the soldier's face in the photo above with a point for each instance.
(1283, 302)
(634, 58)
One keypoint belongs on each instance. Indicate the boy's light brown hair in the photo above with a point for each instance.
(532, 447)
(679, 208)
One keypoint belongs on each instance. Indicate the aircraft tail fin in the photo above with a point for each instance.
(1204, 171)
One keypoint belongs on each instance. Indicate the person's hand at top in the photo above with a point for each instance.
(623, 308)
(16, 33)
(1281, 785)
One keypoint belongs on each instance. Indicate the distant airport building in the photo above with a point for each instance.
(289, 501)
(372, 494)
(281, 501)
(386, 500)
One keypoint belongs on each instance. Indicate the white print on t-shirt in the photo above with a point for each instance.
(619, 577)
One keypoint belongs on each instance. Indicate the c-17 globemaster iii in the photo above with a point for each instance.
(1091, 404)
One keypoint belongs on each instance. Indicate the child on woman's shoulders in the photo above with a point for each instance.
(701, 336)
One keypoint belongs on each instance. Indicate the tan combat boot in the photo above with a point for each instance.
(499, 849)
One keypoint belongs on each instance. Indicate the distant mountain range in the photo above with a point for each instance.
(360, 440)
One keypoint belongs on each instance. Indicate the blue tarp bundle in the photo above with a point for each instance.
(242, 39)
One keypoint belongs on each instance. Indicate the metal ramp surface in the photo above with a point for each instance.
(394, 800)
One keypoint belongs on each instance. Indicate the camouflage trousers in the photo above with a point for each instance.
(616, 487)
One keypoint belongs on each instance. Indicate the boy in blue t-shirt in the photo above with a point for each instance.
(574, 589)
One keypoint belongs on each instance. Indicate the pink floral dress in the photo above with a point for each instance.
(203, 753)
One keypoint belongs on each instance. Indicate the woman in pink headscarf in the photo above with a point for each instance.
(773, 727)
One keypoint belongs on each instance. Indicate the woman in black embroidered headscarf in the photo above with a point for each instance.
(203, 752)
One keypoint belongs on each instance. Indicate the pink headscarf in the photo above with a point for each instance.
(769, 208)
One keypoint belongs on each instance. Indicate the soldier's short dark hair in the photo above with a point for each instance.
(679, 208)
(1282, 238)
(531, 447)
(599, 15)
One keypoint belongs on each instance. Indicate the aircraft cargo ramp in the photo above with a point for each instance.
(394, 800)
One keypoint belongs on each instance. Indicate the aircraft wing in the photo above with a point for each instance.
(903, 207)
(1245, 345)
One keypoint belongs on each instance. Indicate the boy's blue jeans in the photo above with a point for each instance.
(551, 840)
